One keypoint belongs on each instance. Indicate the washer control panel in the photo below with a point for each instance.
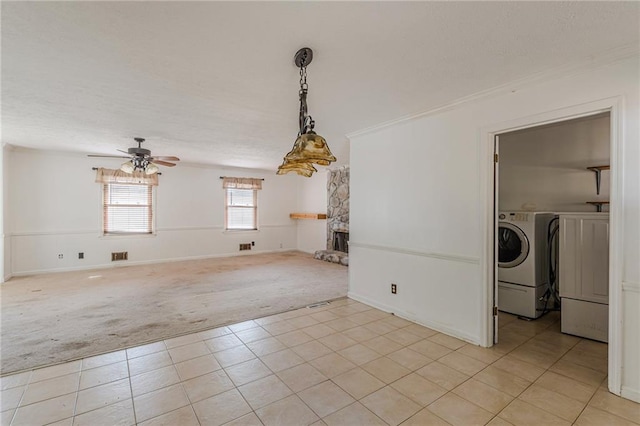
(516, 217)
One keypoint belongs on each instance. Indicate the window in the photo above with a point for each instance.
(241, 202)
(241, 209)
(127, 208)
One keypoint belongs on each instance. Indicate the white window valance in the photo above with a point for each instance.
(241, 183)
(106, 176)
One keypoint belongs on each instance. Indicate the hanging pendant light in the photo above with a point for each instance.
(303, 169)
(309, 147)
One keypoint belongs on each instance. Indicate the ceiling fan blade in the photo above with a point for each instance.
(126, 152)
(163, 163)
(106, 156)
(165, 158)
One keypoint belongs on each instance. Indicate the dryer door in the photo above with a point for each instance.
(513, 245)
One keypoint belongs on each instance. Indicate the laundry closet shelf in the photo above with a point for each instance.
(598, 204)
(308, 215)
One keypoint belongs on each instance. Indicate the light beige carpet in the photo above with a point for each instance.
(51, 318)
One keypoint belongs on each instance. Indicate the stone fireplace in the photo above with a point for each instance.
(337, 217)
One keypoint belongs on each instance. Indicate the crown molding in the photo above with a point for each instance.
(577, 67)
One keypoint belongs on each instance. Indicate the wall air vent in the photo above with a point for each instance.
(317, 305)
(121, 255)
(246, 246)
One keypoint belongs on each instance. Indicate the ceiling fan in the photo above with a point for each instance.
(141, 159)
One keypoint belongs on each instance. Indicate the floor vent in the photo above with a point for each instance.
(121, 255)
(317, 305)
(246, 246)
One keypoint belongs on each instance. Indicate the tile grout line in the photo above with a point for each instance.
(234, 385)
(276, 375)
(545, 371)
(133, 402)
(589, 402)
(488, 365)
(306, 362)
(75, 402)
(15, 413)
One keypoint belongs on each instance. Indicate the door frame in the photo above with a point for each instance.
(488, 209)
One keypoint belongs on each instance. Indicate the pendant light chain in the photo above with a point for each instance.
(303, 77)
(304, 116)
(309, 147)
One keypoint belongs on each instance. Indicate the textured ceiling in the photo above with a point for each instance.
(214, 82)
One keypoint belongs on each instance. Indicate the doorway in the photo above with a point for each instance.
(548, 172)
(606, 110)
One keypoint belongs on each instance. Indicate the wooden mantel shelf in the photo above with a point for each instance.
(308, 215)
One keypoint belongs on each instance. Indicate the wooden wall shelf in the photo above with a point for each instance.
(598, 204)
(308, 215)
(599, 167)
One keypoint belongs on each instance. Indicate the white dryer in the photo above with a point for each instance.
(523, 253)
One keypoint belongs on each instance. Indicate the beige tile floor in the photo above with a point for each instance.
(338, 364)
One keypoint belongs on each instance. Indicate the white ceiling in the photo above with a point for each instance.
(214, 82)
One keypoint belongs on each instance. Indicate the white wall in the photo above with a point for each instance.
(312, 198)
(5, 247)
(419, 197)
(54, 207)
(545, 168)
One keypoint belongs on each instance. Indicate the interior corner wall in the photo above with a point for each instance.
(545, 168)
(421, 222)
(312, 198)
(55, 207)
(5, 247)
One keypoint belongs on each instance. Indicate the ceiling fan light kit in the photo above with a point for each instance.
(128, 167)
(142, 160)
(309, 147)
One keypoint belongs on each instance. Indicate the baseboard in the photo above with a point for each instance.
(632, 394)
(143, 262)
(430, 324)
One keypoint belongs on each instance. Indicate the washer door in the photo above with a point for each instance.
(513, 245)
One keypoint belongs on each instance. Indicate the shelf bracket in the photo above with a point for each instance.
(598, 171)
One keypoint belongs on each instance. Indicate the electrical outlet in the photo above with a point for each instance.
(60, 256)
(81, 255)
(394, 289)
(253, 243)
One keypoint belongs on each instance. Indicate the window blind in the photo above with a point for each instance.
(241, 209)
(127, 209)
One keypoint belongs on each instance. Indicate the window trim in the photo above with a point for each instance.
(151, 212)
(254, 207)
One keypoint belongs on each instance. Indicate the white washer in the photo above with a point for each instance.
(522, 261)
